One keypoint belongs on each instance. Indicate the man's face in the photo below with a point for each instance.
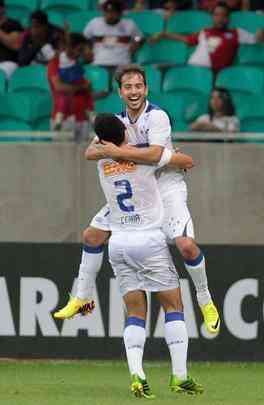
(220, 17)
(112, 17)
(38, 31)
(133, 90)
(74, 52)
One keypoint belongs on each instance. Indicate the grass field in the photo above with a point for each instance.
(100, 383)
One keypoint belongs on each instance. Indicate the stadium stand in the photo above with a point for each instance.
(241, 79)
(190, 79)
(78, 20)
(162, 52)
(247, 20)
(111, 102)
(147, 21)
(64, 7)
(187, 22)
(99, 77)
(251, 55)
(21, 9)
(245, 79)
(29, 80)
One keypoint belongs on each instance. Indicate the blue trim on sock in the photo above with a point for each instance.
(133, 320)
(174, 316)
(92, 249)
(196, 261)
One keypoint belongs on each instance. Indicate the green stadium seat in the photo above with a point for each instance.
(182, 108)
(21, 9)
(64, 7)
(153, 79)
(162, 52)
(252, 125)
(29, 79)
(34, 110)
(251, 55)
(111, 103)
(78, 21)
(13, 125)
(241, 79)
(42, 124)
(190, 79)
(56, 18)
(248, 20)
(2, 82)
(187, 22)
(98, 76)
(149, 22)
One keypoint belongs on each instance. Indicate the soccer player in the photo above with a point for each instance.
(150, 131)
(140, 257)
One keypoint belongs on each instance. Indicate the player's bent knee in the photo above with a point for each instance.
(95, 237)
(187, 247)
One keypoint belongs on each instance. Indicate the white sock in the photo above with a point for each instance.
(197, 272)
(177, 340)
(92, 258)
(134, 339)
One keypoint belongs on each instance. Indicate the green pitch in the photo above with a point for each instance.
(101, 383)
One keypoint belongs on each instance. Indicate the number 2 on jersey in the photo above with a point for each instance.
(124, 195)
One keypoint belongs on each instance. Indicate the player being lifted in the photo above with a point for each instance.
(140, 257)
(150, 131)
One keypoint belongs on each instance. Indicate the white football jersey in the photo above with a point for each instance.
(132, 194)
(153, 128)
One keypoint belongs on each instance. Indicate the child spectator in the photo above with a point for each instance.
(221, 115)
(71, 91)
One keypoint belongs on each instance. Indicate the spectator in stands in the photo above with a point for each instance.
(40, 41)
(216, 46)
(115, 38)
(72, 98)
(256, 5)
(234, 5)
(221, 116)
(10, 41)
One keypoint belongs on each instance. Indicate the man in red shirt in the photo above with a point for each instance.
(216, 46)
(77, 118)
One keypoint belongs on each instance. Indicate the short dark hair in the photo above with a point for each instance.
(113, 5)
(2, 3)
(75, 39)
(40, 16)
(131, 68)
(228, 108)
(223, 5)
(109, 128)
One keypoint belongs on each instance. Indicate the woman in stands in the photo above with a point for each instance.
(221, 116)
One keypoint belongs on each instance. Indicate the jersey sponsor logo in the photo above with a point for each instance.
(114, 168)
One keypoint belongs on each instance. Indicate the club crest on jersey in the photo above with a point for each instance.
(114, 168)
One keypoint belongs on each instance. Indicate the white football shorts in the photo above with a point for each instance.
(141, 261)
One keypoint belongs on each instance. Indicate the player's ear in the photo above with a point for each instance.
(147, 90)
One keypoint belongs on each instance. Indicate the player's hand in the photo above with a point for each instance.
(110, 149)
